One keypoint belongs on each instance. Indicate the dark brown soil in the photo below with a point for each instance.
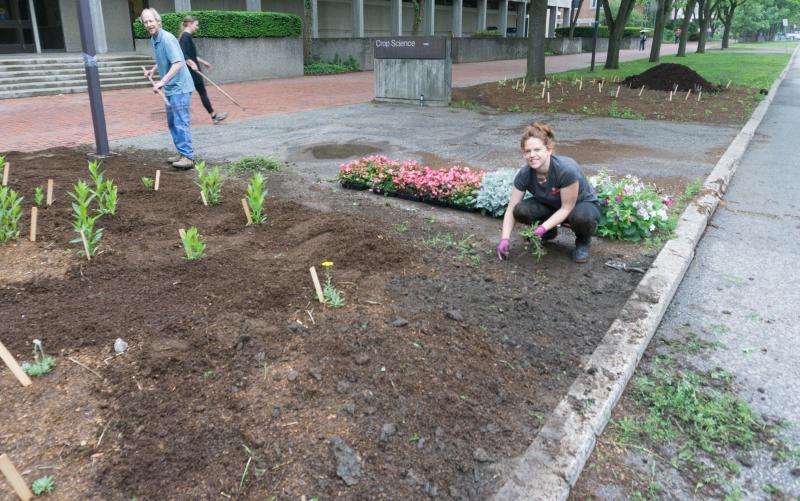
(727, 107)
(670, 77)
(201, 405)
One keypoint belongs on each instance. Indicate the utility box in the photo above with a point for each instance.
(413, 70)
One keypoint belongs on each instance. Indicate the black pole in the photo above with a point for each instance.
(596, 29)
(92, 77)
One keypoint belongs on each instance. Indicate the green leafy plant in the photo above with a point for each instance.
(10, 213)
(463, 250)
(210, 183)
(331, 68)
(42, 364)
(256, 194)
(107, 199)
(193, 244)
(331, 294)
(43, 485)
(230, 24)
(495, 192)
(258, 163)
(148, 182)
(535, 243)
(631, 210)
(38, 196)
(83, 220)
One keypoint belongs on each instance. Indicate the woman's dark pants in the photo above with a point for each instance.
(200, 87)
(583, 219)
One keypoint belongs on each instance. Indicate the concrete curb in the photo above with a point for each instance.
(552, 463)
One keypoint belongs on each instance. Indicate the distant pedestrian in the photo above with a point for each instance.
(189, 26)
(177, 85)
(642, 39)
(678, 32)
(561, 194)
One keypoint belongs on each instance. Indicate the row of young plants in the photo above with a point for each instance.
(631, 209)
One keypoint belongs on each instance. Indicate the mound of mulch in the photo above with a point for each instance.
(666, 76)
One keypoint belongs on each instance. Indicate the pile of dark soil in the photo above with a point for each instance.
(238, 384)
(666, 76)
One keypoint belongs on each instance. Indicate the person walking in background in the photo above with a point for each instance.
(177, 85)
(189, 26)
(678, 32)
(642, 39)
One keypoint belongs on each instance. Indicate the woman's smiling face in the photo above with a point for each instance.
(536, 154)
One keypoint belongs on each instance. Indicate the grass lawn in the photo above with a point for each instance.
(747, 70)
(765, 45)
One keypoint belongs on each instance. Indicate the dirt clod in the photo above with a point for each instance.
(348, 461)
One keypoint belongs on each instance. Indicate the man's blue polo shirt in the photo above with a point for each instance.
(168, 51)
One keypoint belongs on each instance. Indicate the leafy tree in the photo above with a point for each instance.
(616, 29)
(662, 10)
(688, 12)
(573, 19)
(706, 9)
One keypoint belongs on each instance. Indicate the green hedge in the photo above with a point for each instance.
(602, 32)
(229, 24)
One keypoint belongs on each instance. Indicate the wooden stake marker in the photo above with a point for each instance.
(34, 217)
(600, 88)
(49, 192)
(616, 95)
(544, 89)
(182, 234)
(15, 479)
(548, 98)
(158, 180)
(315, 278)
(12, 364)
(670, 95)
(687, 95)
(203, 197)
(641, 90)
(86, 246)
(699, 95)
(6, 168)
(580, 85)
(247, 211)
(729, 84)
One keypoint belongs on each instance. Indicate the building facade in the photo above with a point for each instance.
(30, 26)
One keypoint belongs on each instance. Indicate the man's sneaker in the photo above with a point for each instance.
(184, 164)
(581, 253)
(173, 159)
(218, 117)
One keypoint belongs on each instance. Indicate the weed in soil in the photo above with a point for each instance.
(258, 163)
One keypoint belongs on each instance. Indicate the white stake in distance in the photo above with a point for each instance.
(670, 95)
(699, 95)
(687, 95)
(318, 288)
(641, 90)
(247, 212)
(600, 88)
(729, 84)
(544, 89)
(203, 197)
(548, 98)
(49, 192)
(15, 479)
(616, 95)
(34, 217)
(158, 180)
(6, 168)
(580, 85)
(86, 246)
(12, 364)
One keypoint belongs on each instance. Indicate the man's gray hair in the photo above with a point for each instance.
(151, 11)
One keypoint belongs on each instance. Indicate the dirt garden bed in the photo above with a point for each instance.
(236, 379)
(635, 98)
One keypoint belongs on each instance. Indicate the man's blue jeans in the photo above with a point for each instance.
(178, 123)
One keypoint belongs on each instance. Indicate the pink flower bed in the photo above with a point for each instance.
(457, 186)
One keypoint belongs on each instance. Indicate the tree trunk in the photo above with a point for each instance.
(307, 30)
(706, 8)
(616, 29)
(687, 18)
(726, 35)
(536, 41)
(574, 19)
(664, 7)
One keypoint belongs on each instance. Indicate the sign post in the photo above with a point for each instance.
(92, 77)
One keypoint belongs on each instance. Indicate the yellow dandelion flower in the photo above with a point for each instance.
(327, 264)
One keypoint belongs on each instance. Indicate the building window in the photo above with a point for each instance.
(594, 4)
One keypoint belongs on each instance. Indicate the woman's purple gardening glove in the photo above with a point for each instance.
(503, 249)
(540, 231)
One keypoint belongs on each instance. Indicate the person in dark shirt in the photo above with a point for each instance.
(189, 26)
(561, 194)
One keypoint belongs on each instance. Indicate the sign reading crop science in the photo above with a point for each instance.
(410, 48)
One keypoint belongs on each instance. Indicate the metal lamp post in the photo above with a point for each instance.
(92, 77)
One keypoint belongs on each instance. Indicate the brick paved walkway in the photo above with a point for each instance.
(36, 123)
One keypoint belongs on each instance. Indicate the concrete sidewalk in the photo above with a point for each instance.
(43, 122)
(742, 291)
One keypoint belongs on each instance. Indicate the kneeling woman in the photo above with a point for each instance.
(560, 192)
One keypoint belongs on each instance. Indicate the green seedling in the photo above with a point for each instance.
(43, 485)
(536, 247)
(107, 199)
(193, 244)
(38, 196)
(148, 182)
(332, 296)
(210, 183)
(256, 194)
(42, 363)
(83, 221)
(10, 214)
